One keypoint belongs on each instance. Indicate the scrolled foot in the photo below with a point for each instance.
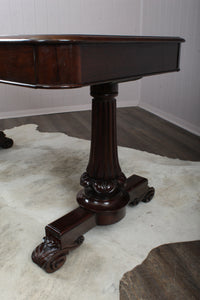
(5, 142)
(50, 257)
(134, 202)
(149, 195)
(144, 197)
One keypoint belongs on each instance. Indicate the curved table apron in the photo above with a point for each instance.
(71, 61)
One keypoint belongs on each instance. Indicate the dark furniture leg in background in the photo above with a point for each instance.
(5, 142)
(106, 189)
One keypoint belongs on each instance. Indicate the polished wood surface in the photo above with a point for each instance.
(83, 38)
(106, 190)
(62, 236)
(66, 61)
(100, 63)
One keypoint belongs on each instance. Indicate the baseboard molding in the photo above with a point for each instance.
(127, 103)
(43, 111)
(171, 118)
(59, 109)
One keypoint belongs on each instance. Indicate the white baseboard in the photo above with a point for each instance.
(43, 111)
(171, 118)
(127, 103)
(59, 109)
(51, 110)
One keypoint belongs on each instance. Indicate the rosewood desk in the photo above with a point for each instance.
(72, 61)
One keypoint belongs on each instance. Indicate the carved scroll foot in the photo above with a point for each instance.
(50, 257)
(5, 142)
(63, 235)
(106, 190)
(138, 190)
(143, 198)
(149, 195)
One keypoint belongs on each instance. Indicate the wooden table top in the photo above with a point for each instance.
(68, 61)
(84, 38)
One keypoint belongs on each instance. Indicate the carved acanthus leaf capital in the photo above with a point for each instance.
(102, 186)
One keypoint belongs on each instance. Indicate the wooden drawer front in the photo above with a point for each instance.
(57, 65)
(17, 63)
(122, 61)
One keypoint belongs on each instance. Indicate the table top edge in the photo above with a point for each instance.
(77, 38)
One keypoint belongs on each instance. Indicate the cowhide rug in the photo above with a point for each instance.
(170, 272)
(39, 179)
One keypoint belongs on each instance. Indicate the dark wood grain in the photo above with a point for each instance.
(17, 64)
(123, 62)
(106, 191)
(169, 272)
(62, 236)
(103, 180)
(101, 62)
(83, 38)
(73, 61)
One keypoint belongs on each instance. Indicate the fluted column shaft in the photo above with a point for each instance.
(103, 180)
(103, 162)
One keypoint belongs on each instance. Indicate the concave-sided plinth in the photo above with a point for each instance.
(106, 191)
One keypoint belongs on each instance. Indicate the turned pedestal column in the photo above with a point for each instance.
(106, 191)
(72, 61)
(103, 181)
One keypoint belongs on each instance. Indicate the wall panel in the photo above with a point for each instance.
(64, 16)
(172, 96)
(175, 97)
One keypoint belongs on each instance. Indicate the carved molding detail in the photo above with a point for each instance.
(102, 187)
(49, 256)
(144, 197)
(149, 195)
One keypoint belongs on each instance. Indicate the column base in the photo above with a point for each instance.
(66, 234)
(106, 191)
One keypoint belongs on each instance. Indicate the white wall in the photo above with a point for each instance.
(174, 96)
(64, 16)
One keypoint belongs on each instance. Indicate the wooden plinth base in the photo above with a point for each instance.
(66, 233)
(106, 190)
(5, 142)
